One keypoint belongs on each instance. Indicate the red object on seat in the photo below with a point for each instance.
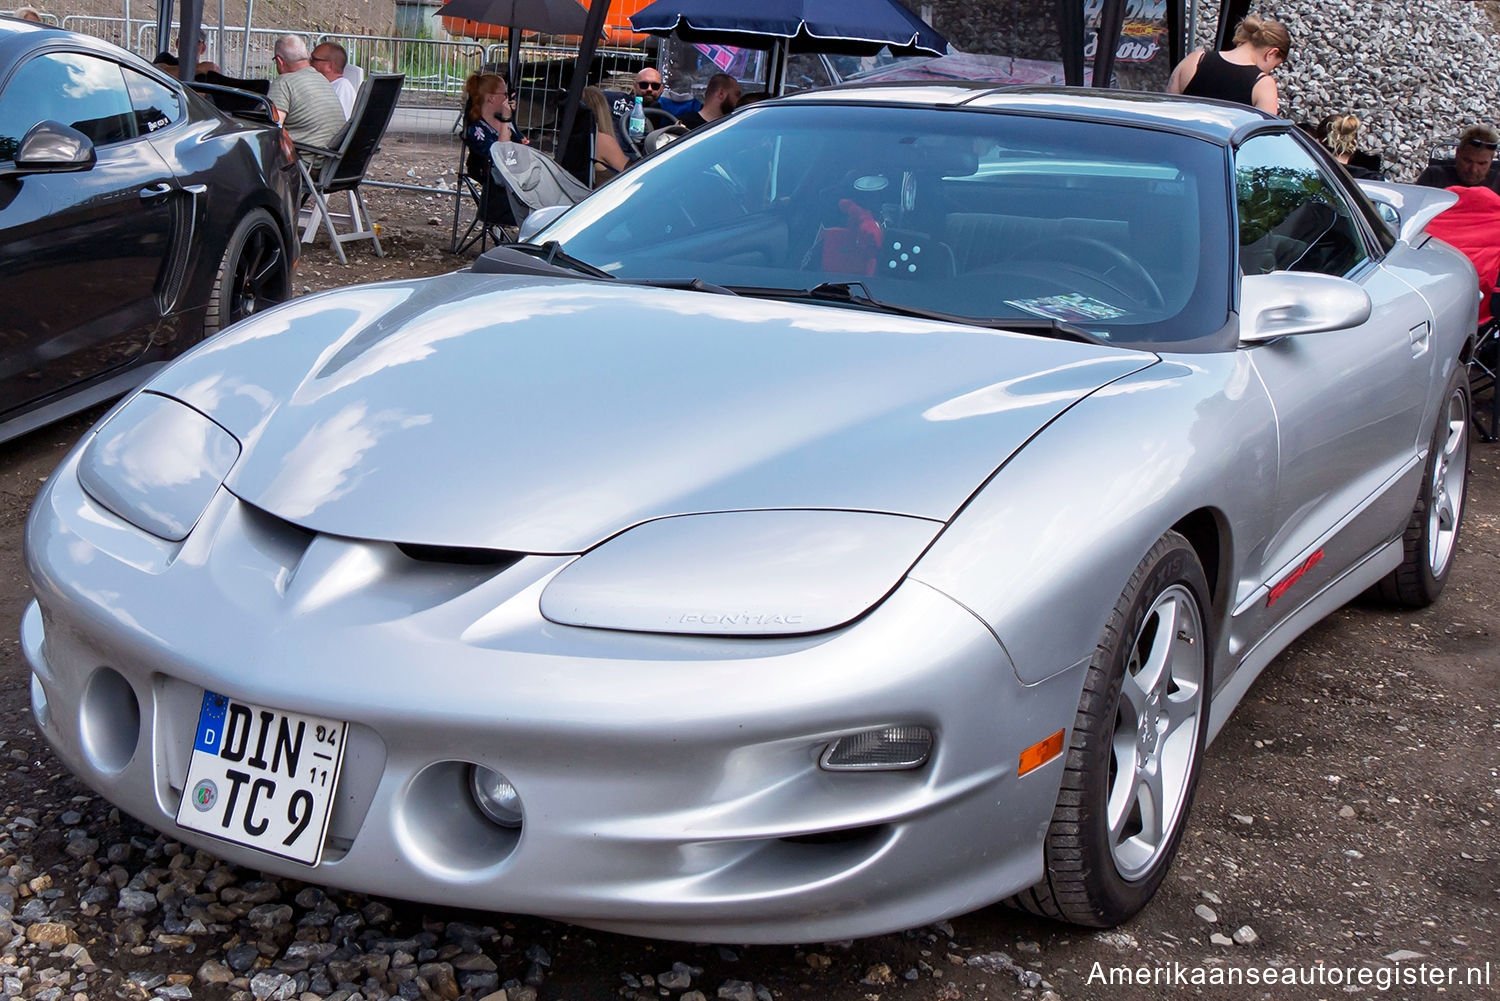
(852, 250)
(1473, 226)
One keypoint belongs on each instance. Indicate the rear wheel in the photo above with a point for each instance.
(1138, 736)
(1431, 536)
(254, 273)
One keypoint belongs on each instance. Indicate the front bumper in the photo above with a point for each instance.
(670, 784)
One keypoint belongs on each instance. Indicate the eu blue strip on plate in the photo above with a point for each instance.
(211, 723)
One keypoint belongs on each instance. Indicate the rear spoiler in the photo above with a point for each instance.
(1408, 208)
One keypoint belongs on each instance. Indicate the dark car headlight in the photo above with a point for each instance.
(157, 463)
(739, 573)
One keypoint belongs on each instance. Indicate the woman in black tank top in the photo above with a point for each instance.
(1242, 74)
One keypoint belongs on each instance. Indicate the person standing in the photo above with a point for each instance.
(720, 97)
(1241, 74)
(329, 59)
(304, 101)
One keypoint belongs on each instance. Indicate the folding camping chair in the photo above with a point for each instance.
(481, 192)
(343, 168)
(534, 180)
(1472, 226)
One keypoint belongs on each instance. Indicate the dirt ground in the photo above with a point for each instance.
(1345, 821)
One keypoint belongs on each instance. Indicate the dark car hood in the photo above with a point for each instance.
(544, 415)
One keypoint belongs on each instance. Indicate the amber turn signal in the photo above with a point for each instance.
(1040, 753)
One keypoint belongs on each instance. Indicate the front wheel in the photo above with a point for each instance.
(1138, 737)
(1431, 536)
(254, 273)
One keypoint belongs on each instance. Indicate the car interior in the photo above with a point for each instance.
(970, 224)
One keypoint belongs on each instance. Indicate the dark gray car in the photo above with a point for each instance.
(135, 219)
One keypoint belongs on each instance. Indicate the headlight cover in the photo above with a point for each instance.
(157, 463)
(739, 573)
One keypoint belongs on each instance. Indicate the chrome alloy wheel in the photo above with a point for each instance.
(1156, 732)
(1447, 487)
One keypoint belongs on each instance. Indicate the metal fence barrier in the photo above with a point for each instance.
(435, 69)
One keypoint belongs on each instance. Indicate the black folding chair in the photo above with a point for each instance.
(343, 168)
(1483, 364)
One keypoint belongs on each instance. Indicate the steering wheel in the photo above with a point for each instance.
(1121, 265)
(656, 118)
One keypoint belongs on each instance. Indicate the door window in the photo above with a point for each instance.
(1292, 217)
(84, 92)
(156, 105)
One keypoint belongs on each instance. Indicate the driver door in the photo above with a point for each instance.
(1349, 403)
(80, 252)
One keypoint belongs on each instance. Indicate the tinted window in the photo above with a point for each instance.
(1292, 217)
(156, 105)
(1123, 231)
(77, 90)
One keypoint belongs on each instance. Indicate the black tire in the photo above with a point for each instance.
(1097, 877)
(254, 272)
(1431, 537)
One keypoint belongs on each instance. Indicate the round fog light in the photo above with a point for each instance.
(495, 796)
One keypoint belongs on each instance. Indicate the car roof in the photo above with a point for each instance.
(18, 37)
(1216, 121)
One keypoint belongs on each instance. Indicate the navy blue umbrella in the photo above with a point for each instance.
(852, 27)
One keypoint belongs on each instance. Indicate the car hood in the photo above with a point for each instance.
(545, 415)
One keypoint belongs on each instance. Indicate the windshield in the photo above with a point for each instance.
(1118, 230)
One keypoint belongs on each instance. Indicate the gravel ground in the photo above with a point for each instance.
(1345, 820)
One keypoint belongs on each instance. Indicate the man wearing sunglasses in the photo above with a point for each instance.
(1473, 164)
(648, 87)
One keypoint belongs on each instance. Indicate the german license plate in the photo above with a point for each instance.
(263, 778)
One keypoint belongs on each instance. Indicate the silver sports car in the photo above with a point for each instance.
(862, 511)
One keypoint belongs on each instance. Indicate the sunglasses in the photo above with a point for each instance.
(647, 86)
(1482, 144)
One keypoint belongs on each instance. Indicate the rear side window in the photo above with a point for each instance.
(156, 105)
(84, 92)
(1292, 216)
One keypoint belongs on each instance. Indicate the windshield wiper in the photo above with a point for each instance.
(855, 293)
(551, 252)
(689, 284)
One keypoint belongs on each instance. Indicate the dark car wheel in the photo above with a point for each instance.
(253, 273)
(1138, 737)
(1431, 536)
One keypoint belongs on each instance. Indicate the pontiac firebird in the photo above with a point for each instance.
(863, 511)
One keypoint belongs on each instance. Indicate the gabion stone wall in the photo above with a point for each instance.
(1413, 70)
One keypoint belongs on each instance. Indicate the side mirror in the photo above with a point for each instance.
(1285, 303)
(538, 220)
(53, 148)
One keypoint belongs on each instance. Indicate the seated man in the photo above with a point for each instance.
(719, 99)
(648, 87)
(1473, 165)
(304, 100)
(329, 59)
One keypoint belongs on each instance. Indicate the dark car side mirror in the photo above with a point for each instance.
(52, 148)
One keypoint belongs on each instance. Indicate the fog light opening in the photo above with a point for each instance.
(496, 798)
(890, 749)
